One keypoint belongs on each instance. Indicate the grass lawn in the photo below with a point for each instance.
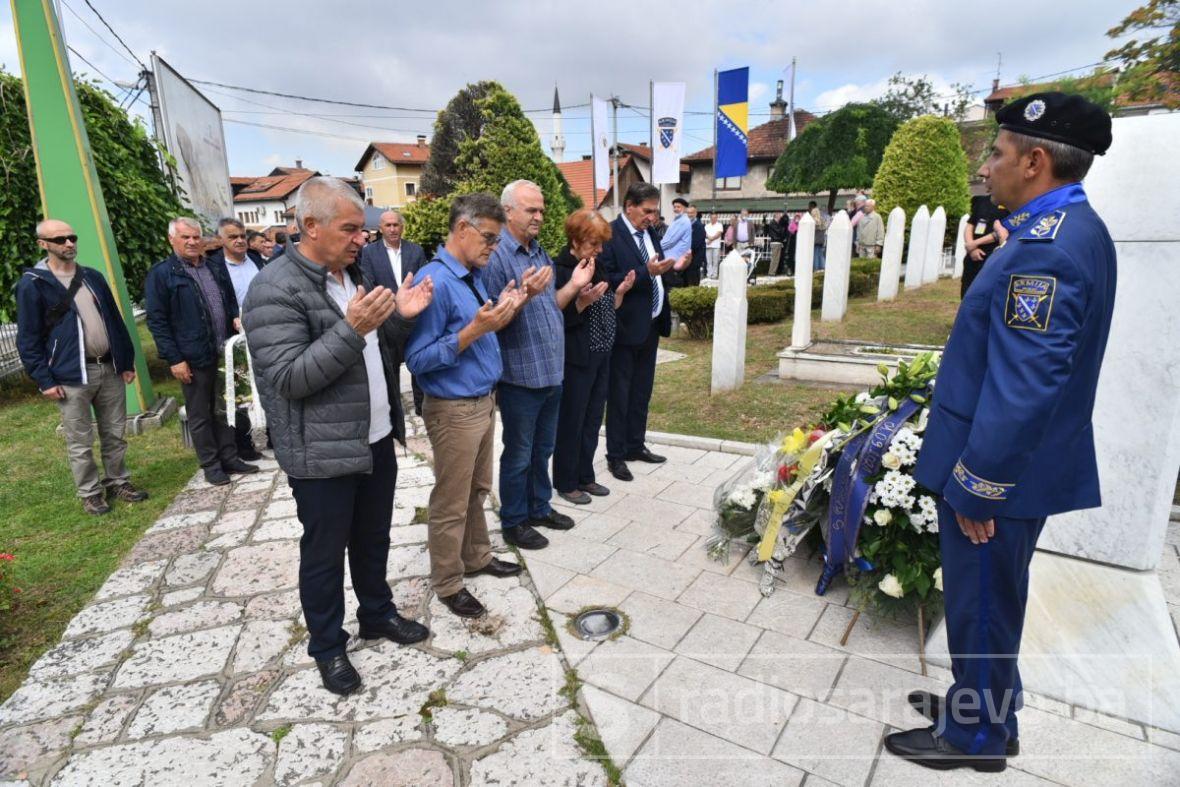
(757, 411)
(62, 554)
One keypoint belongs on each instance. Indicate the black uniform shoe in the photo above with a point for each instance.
(497, 568)
(645, 455)
(923, 747)
(216, 476)
(577, 497)
(553, 520)
(463, 604)
(525, 537)
(397, 628)
(618, 469)
(933, 707)
(249, 454)
(338, 675)
(598, 490)
(238, 467)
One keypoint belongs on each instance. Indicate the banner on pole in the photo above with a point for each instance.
(733, 122)
(667, 130)
(600, 132)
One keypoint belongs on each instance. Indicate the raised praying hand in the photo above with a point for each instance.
(583, 273)
(413, 299)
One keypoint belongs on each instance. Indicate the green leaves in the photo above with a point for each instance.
(924, 164)
(842, 149)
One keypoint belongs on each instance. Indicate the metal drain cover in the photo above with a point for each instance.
(596, 624)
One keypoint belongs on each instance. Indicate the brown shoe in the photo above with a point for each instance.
(127, 493)
(95, 505)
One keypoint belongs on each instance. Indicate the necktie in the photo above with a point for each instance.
(657, 292)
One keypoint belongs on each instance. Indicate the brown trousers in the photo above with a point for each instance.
(462, 435)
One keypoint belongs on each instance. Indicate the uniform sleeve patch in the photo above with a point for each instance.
(1030, 302)
(980, 487)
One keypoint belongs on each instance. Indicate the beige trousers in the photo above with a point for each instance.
(106, 392)
(462, 434)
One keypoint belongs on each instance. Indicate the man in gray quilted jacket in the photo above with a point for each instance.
(327, 345)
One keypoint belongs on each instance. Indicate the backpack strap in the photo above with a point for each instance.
(59, 310)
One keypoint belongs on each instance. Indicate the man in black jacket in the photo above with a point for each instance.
(191, 311)
(692, 274)
(74, 344)
(643, 318)
(388, 261)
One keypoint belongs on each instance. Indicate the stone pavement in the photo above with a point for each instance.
(190, 664)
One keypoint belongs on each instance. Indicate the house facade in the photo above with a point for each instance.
(391, 172)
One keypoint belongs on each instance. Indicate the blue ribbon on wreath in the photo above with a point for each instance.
(860, 460)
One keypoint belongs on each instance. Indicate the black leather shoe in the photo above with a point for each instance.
(397, 628)
(553, 520)
(249, 454)
(238, 467)
(645, 455)
(577, 497)
(463, 604)
(497, 568)
(619, 470)
(525, 537)
(933, 707)
(216, 476)
(338, 674)
(598, 490)
(923, 747)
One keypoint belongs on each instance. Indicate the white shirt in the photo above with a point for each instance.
(716, 228)
(658, 299)
(240, 275)
(380, 424)
(395, 261)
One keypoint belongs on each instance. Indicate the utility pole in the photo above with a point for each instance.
(713, 205)
(614, 102)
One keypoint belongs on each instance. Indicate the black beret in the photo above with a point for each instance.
(1061, 117)
(680, 201)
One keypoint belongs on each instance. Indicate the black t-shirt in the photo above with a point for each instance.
(983, 216)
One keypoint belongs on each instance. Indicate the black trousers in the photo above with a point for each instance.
(242, 438)
(632, 376)
(583, 402)
(350, 512)
(213, 437)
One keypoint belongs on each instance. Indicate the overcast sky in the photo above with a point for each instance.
(417, 55)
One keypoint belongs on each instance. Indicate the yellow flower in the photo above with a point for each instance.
(794, 443)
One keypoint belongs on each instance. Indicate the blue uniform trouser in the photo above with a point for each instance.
(985, 587)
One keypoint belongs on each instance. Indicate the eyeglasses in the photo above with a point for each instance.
(60, 239)
(489, 238)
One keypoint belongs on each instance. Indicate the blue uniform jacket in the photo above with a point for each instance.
(1010, 430)
(56, 359)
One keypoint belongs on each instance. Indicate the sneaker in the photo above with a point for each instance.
(95, 505)
(127, 493)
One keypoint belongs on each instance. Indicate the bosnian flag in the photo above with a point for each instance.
(733, 122)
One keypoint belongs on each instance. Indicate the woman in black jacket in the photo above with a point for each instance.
(589, 336)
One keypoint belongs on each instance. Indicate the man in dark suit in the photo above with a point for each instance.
(692, 274)
(389, 261)
(643, 318)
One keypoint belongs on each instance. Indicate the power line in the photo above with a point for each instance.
(118, 38)
(325, 118)
(328, 134)
(96, 34)
(87, 62)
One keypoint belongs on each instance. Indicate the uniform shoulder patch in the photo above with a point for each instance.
(1030, 302)
(1046, 227)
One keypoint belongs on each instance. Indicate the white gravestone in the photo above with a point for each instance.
(729, 326)
(837, 264)
(805, 249)
(932, 263)
(1097, 632)
(917, 252)
(891, 255)
(960, 247)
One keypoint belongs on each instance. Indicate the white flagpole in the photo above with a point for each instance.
(791, 105)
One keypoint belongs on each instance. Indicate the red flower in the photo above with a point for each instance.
(816, 434)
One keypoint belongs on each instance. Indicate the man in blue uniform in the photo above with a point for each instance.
(1010, 439)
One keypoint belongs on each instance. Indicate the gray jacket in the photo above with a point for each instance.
(310, 369)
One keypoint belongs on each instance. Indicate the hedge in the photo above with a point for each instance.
(694, 306)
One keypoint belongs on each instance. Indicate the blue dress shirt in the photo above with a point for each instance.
(432, 352)
(677, 241)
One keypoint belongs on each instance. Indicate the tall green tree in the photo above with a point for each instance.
(911, 97)
(459, 121)
(139, 199)
(1151, 67)
(506, 148)
(840, 150)
(924, 164)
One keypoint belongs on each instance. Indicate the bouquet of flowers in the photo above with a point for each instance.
(849, 478)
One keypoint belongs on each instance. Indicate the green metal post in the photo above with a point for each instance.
(70, 190)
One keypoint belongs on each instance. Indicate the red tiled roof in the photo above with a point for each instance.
(580, 175)
(397, 152)
(274, 187)
(1003, 95)
(765, 141)
(241, 180)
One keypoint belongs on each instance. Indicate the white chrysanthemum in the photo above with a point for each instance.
(891, 587)
(744, 497)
